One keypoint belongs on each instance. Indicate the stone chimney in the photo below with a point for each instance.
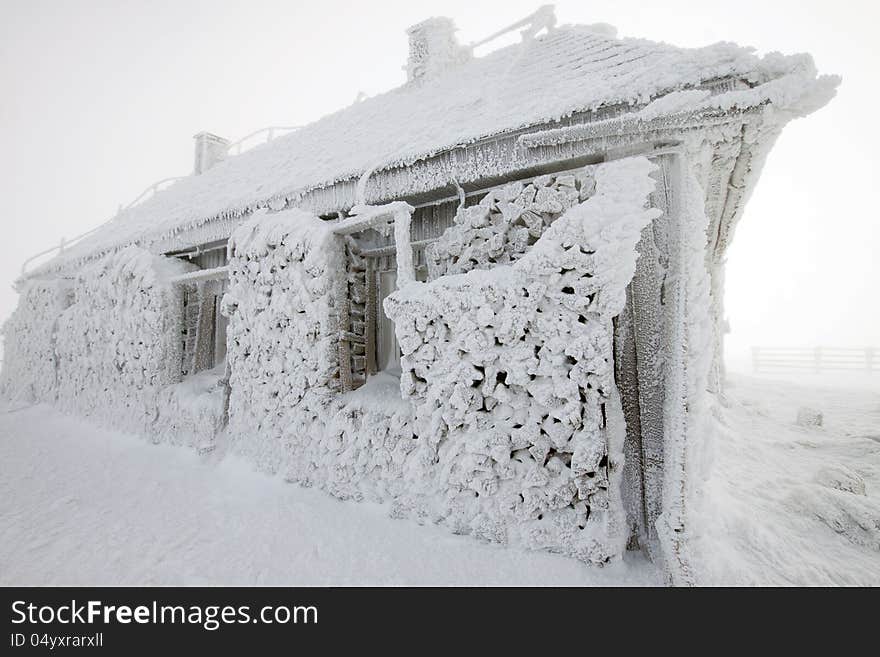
(210, 149)
(433, 48)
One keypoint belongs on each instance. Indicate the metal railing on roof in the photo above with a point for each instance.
(542, 19)
(149, 192)
(236, 148)
(261, 136)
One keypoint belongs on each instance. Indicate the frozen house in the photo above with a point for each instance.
(490, 298)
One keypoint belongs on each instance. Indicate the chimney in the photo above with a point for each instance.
(433, 48)
(210, 149)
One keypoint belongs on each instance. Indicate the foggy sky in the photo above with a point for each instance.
(100, 98)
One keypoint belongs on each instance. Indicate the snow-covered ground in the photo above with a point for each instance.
(789, 504)
(80, 505)
(83, 506)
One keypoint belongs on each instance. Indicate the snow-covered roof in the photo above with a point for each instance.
(570, 69)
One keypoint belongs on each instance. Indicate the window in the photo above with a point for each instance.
(386, 348)
(368, 343)
(204, 327)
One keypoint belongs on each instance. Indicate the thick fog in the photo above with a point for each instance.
(100, 98)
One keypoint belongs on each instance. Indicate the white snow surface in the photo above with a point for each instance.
(569, 69)
(81, 505)
(785, 504)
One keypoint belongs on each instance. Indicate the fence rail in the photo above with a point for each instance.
(816, 359)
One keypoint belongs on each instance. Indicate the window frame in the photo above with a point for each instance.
(205, 288)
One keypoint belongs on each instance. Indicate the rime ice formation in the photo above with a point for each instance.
(30, 368)
(506, 223)
(510, 369)
(571, 69)
(543, 269)
(116, 345)
(105, 345)
(282, 329)
(505, 436)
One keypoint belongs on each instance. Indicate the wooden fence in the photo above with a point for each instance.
(817, 359)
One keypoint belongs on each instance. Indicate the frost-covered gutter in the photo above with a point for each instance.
(694, 108)
(631, 124)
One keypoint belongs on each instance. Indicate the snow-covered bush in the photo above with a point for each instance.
(511, 370)
(29, 361)
(119, 343)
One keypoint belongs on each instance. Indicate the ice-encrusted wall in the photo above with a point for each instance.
(281, 339)
(107, 345)
(286, 411)
(508, 426)
(508, 377)
(29, 360)
(688, 347)
(506, 223)
(510, 369)
(118, 345)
